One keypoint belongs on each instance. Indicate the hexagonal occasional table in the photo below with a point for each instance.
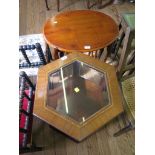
(77, 94)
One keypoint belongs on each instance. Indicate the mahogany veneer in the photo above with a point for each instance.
(80, 30)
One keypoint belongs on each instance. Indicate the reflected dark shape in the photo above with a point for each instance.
(77, 91)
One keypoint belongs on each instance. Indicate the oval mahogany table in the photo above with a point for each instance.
(80, 30)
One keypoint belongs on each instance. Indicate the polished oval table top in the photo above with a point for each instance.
(80, 30)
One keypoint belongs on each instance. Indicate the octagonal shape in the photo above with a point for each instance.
(77, 94)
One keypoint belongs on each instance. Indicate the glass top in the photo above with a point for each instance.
(130, 19)
(77, 91)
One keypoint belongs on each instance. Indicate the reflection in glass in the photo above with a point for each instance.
(77, 90)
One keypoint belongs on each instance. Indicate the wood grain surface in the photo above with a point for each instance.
(77, 131)
(51, 139)
(80, 30)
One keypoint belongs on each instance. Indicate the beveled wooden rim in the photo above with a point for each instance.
(76, 130)
(79, 124)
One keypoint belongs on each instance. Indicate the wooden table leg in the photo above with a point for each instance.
(99, 4)
(58, 5)
(48, 53)
(46, 5)
(88, 4)
(55, 54)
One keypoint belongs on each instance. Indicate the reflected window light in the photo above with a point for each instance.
(83, 119)
(64, 90)
(53, 21)
(64, 57)
(86, 47)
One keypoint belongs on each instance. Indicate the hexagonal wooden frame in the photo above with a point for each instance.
(77, 131)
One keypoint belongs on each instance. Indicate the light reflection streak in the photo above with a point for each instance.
(64, 90)
(83, 119)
